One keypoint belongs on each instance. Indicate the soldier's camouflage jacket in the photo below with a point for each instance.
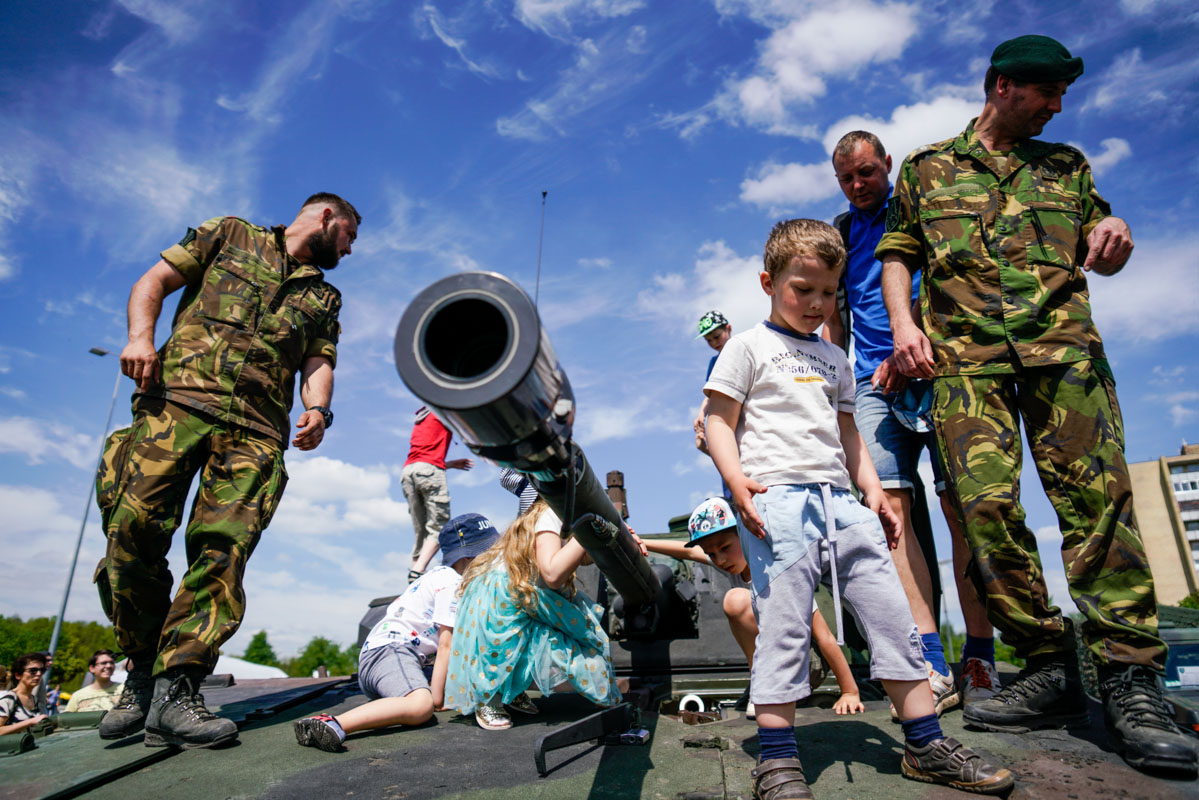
(1001, 240)
(249, 316)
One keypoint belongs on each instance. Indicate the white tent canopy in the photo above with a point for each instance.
(245, 670)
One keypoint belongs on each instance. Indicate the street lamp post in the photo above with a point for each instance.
(87, 506)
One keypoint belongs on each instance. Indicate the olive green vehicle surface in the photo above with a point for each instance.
(844, 757)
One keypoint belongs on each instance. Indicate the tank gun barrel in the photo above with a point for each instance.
(472, 347)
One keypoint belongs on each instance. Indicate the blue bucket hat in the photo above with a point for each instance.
(466, 536)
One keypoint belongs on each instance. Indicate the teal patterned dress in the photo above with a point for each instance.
(498, 647)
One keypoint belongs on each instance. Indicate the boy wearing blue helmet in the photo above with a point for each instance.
(713, 540)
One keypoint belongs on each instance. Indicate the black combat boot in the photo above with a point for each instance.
(178, 716)
(1045, 694)
(128, 716)
(1140, 722)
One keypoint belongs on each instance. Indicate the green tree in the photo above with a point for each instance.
(259, 651)
(76, 643)
(322, 652)
(1190, 601)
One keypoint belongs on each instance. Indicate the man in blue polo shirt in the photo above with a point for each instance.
(888, 416)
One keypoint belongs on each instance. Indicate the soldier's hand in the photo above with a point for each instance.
(743, 491)
(139, 361)
(913, 352)
(463, 464)
(1108, 246)
(887, 378)
(310, 430)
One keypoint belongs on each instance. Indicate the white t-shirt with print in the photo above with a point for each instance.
(415, 617)
(790, 387)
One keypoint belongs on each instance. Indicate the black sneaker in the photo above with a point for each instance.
(780, 779)
(1045, 694)
(128, 716)
(1141, 723)
(179, 717)
(950, 762)
(316, 732)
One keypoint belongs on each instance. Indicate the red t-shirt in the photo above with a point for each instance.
(429, 442)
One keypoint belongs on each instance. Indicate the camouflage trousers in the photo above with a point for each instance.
(141, 489)
(428, 499)
(1076, 435)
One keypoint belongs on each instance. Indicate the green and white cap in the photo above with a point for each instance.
(709, 322)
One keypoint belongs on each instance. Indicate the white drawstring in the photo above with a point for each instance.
(830, 540)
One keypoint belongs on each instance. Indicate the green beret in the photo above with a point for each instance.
(1036, 59)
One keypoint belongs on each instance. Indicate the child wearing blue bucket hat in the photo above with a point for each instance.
(396, 667)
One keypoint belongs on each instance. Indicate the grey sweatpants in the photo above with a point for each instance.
(782, 598)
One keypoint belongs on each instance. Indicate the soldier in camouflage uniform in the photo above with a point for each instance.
(1004, 227)
(214, 400)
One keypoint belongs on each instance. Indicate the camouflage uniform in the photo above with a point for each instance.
(1000, 239)
(249, 316)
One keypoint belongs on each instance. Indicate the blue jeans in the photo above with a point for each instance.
(894, 449)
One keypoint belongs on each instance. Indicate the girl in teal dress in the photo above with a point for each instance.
(521, 623)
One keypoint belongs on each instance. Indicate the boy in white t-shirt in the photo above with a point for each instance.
(393, 663)
(781, 431)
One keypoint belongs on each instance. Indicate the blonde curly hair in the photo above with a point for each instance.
(517, 550)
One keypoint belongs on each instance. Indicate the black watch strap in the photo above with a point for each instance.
(326, 413)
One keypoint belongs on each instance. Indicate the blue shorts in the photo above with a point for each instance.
(894, 449)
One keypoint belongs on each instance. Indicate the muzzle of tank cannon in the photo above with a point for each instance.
(471, 346)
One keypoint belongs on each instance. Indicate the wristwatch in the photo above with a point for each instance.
(326, 413)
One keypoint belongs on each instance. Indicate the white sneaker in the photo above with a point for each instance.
(980, 680)
(945, 693)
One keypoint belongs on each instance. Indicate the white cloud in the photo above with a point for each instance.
(171, 17)
(41, 441)
(809, 43)
(556, 17)
(628, 418)
(291, 55)
(1154, 297)
(781, 187)
(1114, 151)
(602, 70)
(1133, 84)
(637, 38)
(911, 126)
(721, 279)
(789, 187)
(440, 29)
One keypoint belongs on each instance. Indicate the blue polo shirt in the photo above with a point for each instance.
(872, 341)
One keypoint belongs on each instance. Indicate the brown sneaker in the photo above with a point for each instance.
(780, 779)
(950, 762)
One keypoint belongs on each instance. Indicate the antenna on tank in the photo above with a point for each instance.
(540, 237)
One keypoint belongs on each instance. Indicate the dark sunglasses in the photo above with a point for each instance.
(38, 670)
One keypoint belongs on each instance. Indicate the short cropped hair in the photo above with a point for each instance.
(340, 205)
(802, 237)
(992, 78)
(850, 141)
(91, 662)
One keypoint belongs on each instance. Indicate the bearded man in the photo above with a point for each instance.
(215, 399)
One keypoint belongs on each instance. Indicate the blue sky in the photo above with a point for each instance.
(670, 137)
